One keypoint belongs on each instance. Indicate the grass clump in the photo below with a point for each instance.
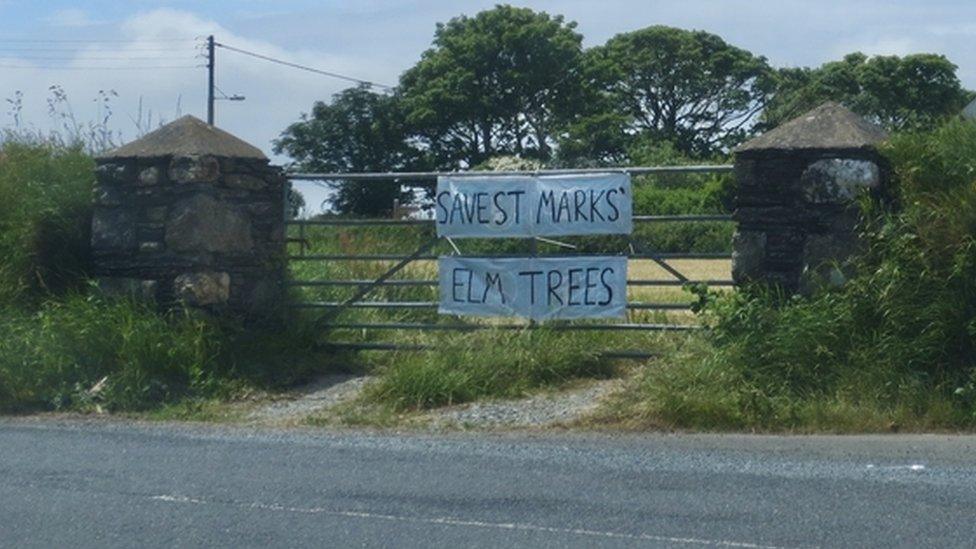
(84, 352)
(57, 356)
(45, 218)
(488, 363)
(894, 348)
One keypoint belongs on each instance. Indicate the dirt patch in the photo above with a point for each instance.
(329, 398)
(326, 392)
(542, 410)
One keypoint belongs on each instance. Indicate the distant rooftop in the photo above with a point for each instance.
(829, 126)
(186, 136)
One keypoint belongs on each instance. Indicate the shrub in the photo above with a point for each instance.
(45, 218)
(53, 357)
(896, 345)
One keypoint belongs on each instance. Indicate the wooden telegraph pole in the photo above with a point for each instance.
(210, 77)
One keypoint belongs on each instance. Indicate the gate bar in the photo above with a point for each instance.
(363, 290)
(431, 257)
(434, 283)
(422, 176)
(380, 346)
(434, 304)
(398, 222)
(515, 327)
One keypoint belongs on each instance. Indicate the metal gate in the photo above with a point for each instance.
(365, 288)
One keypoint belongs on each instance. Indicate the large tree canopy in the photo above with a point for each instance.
(915, 91)
(493, 84)
(359, 131)
(690, 88)
(515, 82)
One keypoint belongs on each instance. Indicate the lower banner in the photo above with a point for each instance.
(537, 288)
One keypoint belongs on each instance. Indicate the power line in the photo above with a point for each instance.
(303, 67)
(76, 50)
(135, 41)
(100, 58)
(86, 68)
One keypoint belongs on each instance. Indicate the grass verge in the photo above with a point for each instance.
(893, 349)
(488, 363)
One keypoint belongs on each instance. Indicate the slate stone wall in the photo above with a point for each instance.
(205, 230)
(797, 214)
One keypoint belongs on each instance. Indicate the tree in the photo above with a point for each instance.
(493, 84)
(912, 92)
(690, 88)
(295, 203)
(359, 131)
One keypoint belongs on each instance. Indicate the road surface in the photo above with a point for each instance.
(115, 484)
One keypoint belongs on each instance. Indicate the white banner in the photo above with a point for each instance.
(537, 288)
(524, 206)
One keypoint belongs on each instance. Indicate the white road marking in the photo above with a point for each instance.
(459, 522)
(912, 467)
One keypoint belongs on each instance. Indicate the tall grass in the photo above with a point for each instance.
(45, 218)
(56, 356)
(490, 363)
(895, 347)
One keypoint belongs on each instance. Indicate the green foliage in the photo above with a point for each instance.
(495, 83)
(513, 81)
(45, 218)
(913, 92)
(56, 356)
(359, 131)
(895, 346)
(653, 198)
(486, 364)
(81, 351)
(690, 88)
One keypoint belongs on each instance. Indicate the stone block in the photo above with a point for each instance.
(244, 181)
(748, 255)
(107, 195)
(204, 224)
(194, 169)
(202, 289)
(119, 172)
(156, 214)
(149, 176)
(113, 229)
(838, 180)
(829, 248)
(150, 247)
(126, 287)
(769, 215)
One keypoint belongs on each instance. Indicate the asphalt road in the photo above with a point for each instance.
(111, 484)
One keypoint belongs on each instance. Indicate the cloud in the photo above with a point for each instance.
(377, 40)
(158, 73)
(881, 46)
(71, 17)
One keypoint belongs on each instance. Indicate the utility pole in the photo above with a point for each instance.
(210, 75)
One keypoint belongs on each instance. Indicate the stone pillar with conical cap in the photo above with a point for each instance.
(796, 203)
(189, 213)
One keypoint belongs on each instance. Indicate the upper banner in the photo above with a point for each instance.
(525, 206)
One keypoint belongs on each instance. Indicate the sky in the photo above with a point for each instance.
(148, 53)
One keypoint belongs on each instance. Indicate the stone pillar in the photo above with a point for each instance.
(796, 206)
(190, 213)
